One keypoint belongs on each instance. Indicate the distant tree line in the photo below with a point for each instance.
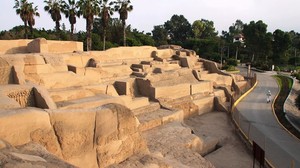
(89, 9)
(258, 46)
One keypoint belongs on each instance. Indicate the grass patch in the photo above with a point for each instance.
(285, 84)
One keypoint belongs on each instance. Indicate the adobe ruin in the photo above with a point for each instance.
(94, 109)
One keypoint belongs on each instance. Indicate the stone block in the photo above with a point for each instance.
(217, 79)
(64, 46)
(182, 53)
(18, 74)
(6, 75)
(93, 73)
(8, 103)
(126, 87)
(78, 60)
(202, 87)
(32, 125)
(66, 94)
(122, 87)
(90, 102)
(77, 70)
(175, 91)
(186, 62)
(116, 71)
(165, 53)
(138, 102)
(38, 69)
(34, 59)
(75, 132)
(38, 45)
(205, 104)
(13, 46)
(176, 116)
(116, 134)
(62, 80)
(60, 68)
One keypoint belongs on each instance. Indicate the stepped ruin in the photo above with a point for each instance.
(63, 107)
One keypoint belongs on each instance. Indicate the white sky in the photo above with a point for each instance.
(277, 14)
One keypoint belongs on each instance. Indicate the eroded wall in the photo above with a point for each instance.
(39, 45)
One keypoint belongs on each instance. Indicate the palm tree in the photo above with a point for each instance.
(70, 10)
(88, 9)
(106, 12)
(27, 13)
(123, 7)
(31, 21)
(54, 8)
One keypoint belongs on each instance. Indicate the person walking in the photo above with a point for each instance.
(268, 96)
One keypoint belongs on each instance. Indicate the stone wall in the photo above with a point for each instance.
(6, 74)
(13, 46)
(39, 45)
(124, 54)
(24, 97)
(21, 96)
(85, 138)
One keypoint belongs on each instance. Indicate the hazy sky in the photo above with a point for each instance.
(277, 14)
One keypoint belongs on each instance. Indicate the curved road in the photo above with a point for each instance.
(256, 119)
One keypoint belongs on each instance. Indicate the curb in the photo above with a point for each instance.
(234, 106)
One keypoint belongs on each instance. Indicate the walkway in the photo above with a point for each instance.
(257, 121)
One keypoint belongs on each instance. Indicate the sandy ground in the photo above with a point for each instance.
(232, 152)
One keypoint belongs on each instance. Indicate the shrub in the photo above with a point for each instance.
(232, 62)
(231, 68)
(276, 68)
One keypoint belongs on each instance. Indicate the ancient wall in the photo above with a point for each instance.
(13, 46)
(39, 45)
(64, 46)
(124, 54)
(85, 138)
(6, 74)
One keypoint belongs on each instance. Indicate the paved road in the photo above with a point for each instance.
(257, 121)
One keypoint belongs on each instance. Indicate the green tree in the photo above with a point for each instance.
(209, 29)
(54, 8)
(106, 12)
(70, 9)
(88, 9)
(139, 38)
(206, 48)
(27, 13)
(295, 48)
(178, 28)
(198, 28)
(257, 40)
(123, 7)
(160, 35)
(236, 28)
(281, 43)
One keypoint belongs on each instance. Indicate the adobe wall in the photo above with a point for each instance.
(113, 56)
(64, 46)
(13, 46)
(124, 54)
(39, 45)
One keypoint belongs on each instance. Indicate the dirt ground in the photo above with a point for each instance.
(231, 151)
